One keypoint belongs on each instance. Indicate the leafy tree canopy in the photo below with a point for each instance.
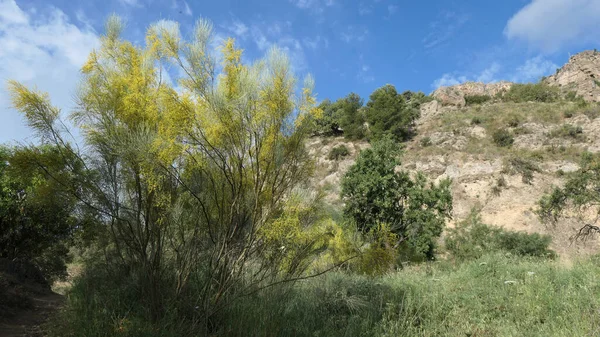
(389, 112)
(376, 193)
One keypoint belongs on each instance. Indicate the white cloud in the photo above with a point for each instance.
(487, 75)
(45, 51)
(533, 69)
(186, 8)
(267, 35)
(448, 80)
(181, 5)
(444, 29)
(549, 25)
(238, 28)
(365, 74)
(10, 13)
(354, 34)
(364, 9)
(392, 9)
(317, 6)
(133, 3)
(314, 43)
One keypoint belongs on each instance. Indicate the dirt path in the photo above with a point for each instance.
(27, 322)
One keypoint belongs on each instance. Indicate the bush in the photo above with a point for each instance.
(522, 166)
(476, 99)
(567, 131)
(471, 239)
(389, 113)
(376, 194)
(476, 120)
(568, 114)
(592, 113)
(513, 120)
(500, 185)
(338, 152)
(503, 138)
(425, 141)
(538, 92)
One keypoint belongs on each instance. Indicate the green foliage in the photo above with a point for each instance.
(338, 152)
(388, 112)
(499, 186)
(503, 138)
(572, 96)
(579, 195)
(328, 122)
(567, 131)
(513, 120)
(350, 116)
(425, 141)
(202, 182)
(415, 99)
(37, 214)
(495, 295)
(592, 112)
(477, 99)
(376, 193)
(568, 114)
(537, 92)
(524, 167)
(476, 120)
(471, 239)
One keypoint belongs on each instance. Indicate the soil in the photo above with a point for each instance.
(28, 322)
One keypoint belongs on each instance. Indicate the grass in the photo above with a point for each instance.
(495, 295)
(501, 116)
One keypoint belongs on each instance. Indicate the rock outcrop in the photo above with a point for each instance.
(455, 95)
(581, 74)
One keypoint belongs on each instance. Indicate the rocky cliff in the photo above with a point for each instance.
(455, 95)
(581, 74)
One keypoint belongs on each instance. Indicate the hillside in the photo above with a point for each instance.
(504, 183)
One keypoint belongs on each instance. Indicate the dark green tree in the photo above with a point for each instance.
(350, 116)
(389, 112)
(37, 214)
(376, 193)
(580, 195)
(328, 124)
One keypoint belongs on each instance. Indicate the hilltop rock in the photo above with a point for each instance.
(455, 95)
(581, 74)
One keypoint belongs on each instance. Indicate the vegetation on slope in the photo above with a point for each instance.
(191, 216)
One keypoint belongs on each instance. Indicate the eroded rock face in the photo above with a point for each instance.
(581, 74)
(455, 95)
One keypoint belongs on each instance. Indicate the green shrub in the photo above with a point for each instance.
(476, 99)
(538, 92)
(567, 131)
(476, 120)
(338, 152)
(471, 239)
(376, 194)
(592, 113)
(571, 96)
(500, 185)
(389, 113)
(503, 138)
(521, 130)
(513, 120)
(522, 166)
(568, 114)
(425, 141)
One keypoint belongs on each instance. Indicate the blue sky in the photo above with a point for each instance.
(348, 45)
